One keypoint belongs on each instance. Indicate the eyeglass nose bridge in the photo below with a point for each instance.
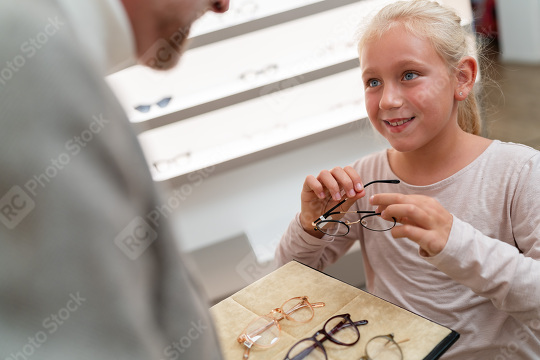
(277, 314)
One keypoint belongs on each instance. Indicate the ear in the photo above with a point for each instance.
(466, 77)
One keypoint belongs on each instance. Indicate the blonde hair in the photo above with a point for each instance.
(442, 27)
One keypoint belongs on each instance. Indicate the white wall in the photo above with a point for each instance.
(519, 30)
(260, 198)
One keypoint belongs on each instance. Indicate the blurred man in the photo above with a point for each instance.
(86, 270)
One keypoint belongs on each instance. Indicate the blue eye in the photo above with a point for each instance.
(410, 76)
(373, 83)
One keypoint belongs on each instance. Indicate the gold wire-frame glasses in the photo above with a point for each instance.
(264, 331)
(383, 347)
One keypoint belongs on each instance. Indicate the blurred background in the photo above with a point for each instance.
(269, 93)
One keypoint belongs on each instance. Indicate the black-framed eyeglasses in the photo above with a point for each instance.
(339, 329)
(370, 220)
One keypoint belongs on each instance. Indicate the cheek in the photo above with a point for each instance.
(424, 96)
(372, 105)
(434, 100)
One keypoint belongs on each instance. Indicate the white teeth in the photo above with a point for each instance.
(401, 122)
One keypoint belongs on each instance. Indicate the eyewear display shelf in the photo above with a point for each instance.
(418, 337)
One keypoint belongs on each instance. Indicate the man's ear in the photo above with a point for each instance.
(466, 77)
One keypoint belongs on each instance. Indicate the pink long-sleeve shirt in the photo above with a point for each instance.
(485, 284)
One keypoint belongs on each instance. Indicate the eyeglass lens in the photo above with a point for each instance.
(264, 331)
(300, 311)
(376, 223)
(383, 348)
(161, 103)
(340, 330)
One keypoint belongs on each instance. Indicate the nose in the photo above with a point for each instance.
(219, 6)
(391, 97)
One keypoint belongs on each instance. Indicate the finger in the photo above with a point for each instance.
(330, 179)
(312, 184)
(427, 240)
(385, 199)
(407, 214)
(345, 181)
(355, 178)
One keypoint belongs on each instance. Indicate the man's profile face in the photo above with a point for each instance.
(162, 36)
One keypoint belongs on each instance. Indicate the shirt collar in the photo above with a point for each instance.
(104, 30)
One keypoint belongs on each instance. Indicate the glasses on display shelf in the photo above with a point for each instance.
(333, 47)
(371, 220)
(345, 104)
(339, 329)
(252, 75)
(264, 331)
(161, 103)
(172, 163)
(383, 347)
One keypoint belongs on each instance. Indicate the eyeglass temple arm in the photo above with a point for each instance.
(301, 305)
(304, 353)
(246, 353)
(267, 326)
(326, 214)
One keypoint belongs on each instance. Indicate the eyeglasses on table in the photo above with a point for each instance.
(371, 220)
(339, 329)
(264, 331)
(383, 347)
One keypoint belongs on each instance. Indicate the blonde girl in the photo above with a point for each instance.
(465, 250)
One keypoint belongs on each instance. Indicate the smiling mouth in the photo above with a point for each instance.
(400, 122)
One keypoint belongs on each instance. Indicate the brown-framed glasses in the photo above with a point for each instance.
(369, 220)
(339, 329)
(264, 331)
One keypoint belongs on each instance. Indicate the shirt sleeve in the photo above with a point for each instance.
(297, 244)
(507, 274)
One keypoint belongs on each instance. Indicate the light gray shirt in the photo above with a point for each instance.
(87, 271)
(480, 284)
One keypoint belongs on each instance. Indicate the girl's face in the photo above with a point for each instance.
(409, 91)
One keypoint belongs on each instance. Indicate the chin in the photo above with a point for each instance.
(165, 53)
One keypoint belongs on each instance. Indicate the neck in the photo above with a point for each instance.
(437, 160)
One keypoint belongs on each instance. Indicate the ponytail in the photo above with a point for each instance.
(469, 117)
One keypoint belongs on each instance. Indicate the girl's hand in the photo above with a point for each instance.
(324, 191)
(422, 219)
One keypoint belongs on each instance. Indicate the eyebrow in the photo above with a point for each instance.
(400, 64)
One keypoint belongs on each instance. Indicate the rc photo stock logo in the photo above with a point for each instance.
(29, 49)
(49, 326)
(136, 238)
(14, 206)
(141, 232)
(165, 53)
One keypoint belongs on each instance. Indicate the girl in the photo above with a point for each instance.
(465, 251)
